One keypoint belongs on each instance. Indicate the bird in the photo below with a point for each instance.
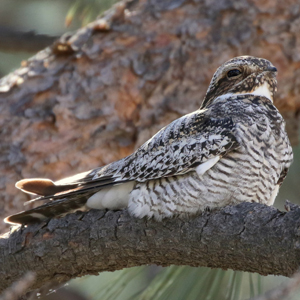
(233, 149)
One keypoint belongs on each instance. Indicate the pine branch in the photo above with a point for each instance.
(248, 237)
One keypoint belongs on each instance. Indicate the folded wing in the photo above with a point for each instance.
(193, 142)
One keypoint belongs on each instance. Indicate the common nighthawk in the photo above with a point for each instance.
(233, 149)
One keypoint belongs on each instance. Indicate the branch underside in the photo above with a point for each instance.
(248, 237)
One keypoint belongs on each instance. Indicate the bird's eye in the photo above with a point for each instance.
(233, 73)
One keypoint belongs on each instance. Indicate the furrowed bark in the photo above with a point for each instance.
(248, 237)
(99, 93)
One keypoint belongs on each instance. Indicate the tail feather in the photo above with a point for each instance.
(67, 199)
(47, 189)
(42, 187)
(63, 196)
(48, 210)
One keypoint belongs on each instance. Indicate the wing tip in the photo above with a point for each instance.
(42, 187)
(36, 186)
(24, 218)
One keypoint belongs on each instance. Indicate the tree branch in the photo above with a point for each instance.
(248, 237)
(18, 41)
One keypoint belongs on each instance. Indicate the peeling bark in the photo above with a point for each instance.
(247, 237)
(99, 93)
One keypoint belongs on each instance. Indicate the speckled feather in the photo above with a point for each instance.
(233, 149)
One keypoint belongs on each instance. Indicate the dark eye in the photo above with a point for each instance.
(233, 73)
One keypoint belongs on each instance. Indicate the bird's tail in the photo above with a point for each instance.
(59, 207)
(64, 196)
(44, 187)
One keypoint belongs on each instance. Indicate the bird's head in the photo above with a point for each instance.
(243, 75)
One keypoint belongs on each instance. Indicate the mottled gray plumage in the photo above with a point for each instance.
(233, 149)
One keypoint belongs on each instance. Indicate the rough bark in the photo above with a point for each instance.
(248, 237)
(97, 94)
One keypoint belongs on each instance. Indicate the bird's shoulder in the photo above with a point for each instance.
(178, 148)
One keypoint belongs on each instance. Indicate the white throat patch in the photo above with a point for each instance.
(262, 90)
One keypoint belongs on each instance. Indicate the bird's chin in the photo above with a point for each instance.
(263, 84)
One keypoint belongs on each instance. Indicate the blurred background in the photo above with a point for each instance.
(27, 26)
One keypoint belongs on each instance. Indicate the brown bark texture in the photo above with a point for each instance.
(248, 237)
(97, 94)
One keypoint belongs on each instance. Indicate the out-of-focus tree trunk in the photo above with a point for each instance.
(97, 94)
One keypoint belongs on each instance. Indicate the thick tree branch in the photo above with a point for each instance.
(248, 237)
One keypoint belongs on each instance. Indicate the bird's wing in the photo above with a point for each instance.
(192, 142)
(178, 148)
